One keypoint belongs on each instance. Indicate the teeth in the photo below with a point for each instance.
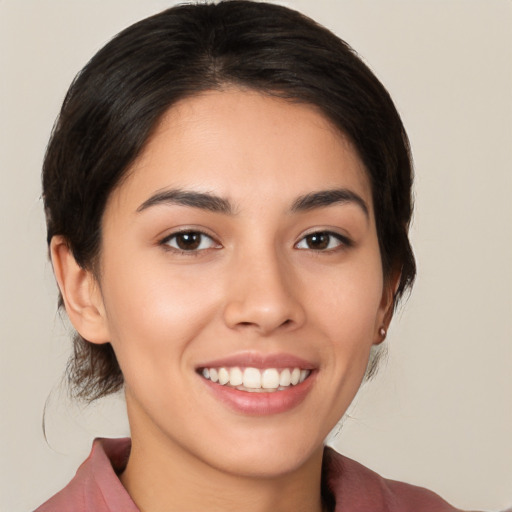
(285, 378)
(235, 377)
(252, 378)
(255, 380)
(270, 378)
(223, 376)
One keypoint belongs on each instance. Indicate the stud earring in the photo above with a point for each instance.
(382, 332)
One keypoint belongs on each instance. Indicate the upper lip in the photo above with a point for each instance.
(261, 361)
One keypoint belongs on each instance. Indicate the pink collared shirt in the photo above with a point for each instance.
(96, 486)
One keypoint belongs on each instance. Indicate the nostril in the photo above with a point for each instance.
(247, 324)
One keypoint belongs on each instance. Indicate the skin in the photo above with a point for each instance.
(255, 285)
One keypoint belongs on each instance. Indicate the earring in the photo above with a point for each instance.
(382, 332)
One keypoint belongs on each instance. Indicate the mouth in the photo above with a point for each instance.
(257, 384)
(255, 380)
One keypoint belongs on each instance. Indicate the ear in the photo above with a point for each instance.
(80, 292)
(386, 308)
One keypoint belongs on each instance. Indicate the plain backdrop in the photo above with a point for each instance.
(439, 413)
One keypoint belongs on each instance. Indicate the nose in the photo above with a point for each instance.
(263, 295)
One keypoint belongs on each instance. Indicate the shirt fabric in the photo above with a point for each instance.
(96, 486)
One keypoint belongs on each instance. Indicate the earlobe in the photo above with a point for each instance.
(386, 310)
(80, 293)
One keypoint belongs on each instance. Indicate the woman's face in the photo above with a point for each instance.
(242, 246)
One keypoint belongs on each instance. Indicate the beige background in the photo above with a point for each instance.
(439, 414)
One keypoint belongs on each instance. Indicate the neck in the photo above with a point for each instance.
(162, 476)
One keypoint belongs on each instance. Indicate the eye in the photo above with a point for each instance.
(322, 241)
(190, 241)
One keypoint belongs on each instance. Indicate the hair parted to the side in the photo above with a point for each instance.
(116, 101)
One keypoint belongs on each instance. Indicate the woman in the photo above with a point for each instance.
(228, 196)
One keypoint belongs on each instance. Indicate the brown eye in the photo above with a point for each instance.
(318, 241)
(190, 241)
(322, 241)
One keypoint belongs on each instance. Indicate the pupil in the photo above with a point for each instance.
(188, 241)
(318, 241)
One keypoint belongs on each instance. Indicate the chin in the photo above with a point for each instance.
(268, 455)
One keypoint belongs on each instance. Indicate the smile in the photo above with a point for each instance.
(256, 384)
(257, 380)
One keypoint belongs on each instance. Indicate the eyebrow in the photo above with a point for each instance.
(210, 202)
(327, 198)
(202, 200)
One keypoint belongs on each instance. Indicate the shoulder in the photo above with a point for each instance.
(96, 486)
(357, 488)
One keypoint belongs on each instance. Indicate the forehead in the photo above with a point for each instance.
(243, 144)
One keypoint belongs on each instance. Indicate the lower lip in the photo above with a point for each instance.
(261, 403)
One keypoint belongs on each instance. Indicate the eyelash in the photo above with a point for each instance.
(343, 242)
(190, 232)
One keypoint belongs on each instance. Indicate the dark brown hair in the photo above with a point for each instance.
(116, 101)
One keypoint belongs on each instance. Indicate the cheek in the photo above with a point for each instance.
(347, 311)
(152, 318)
(348, 302)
